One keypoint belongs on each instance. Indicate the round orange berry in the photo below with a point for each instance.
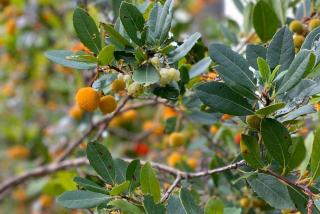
(107, 104)
(87, 99)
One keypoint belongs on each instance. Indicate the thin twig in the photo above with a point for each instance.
(171, 188)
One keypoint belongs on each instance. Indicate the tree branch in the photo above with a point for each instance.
(54, 167)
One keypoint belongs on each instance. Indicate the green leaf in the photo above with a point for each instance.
(231, 64)
(250, 151)
(280, 8)
(160, 22)
(315, 157)
(221, 98)
(133, 174)
(253, 52)
(188, 203)
(175, 206)
(281, 49)
(311, 38)
(151, 208)
(89, 185)
(200, 67)
(308, 143)
(133, 22)
(82, 57)
(81, 199)
(168, 92)
(297, 153)
(264, 69)
(277, 140)
(265, 21)
(87, 30)
(120, 188)
(101, 160)
(232, 210)
(271, 190)
(270, 109)
(214, 206)
(115, 36)
(248, 17)
(301, 200)
(146, 74)
(175, 55)
(149, 182)
(61, 57)
(121, 169)
(125, 207)
(106, 56)
(296, 71)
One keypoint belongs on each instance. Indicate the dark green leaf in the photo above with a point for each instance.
(81, 199)
(87, 30)
(231, 64)
(133, 22)
(61, 57)
(265, 21)
(133, 174)
(277, 140)
(311, 38)
(297, 70)
(101, 160)
(221, 98)
(188, 202)
(200, 67)
(149, 182)
(250, 151)
(271, 190)
(175, 206)
(146, 74)
(151, 208)
(121, 169)
(253, 52)
(115, 36)
(281, 49)
(89, 185)
(167, 92)
(315, 157)
(297, 153)
(264, 69)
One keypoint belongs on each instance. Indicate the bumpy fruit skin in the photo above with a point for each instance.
(298, 40)
(253, 122)
(87, 99)
(76, 113)
(135, 89)
(118, 85)
(174, 158)
(129, 116)
(192, 163)
(107, 104)
(244, 202)
(314, 23)
(296, 27)
(177, 139)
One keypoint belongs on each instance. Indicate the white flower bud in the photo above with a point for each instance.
(155, 61)
(126, 77)
(135, 89)
(120, 76)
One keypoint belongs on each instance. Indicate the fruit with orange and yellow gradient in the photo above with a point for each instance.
(296, 26)
(192, 163)
(76, 113)
(118, 85)
(87, 99)
(314, 23)
(107, 104)
(174, 159)
(18, 152)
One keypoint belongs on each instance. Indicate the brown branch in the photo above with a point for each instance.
(54, 167)
(171, 188)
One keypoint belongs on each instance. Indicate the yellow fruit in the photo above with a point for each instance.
(87, 99)
(298, 40)
(18, 152)
(296, 26)
(45, 200)
(253, 122)
(192, 163)
(244, 202)
(76, 113)
(118, 85)
(174, 158)
(154, 128)
(129, 116)
(169, 112)
(107, 104)
(314, 23)
(214, 129)
(177, 139)
(256, 202)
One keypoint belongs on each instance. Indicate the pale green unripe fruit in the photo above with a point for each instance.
(253, 121)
